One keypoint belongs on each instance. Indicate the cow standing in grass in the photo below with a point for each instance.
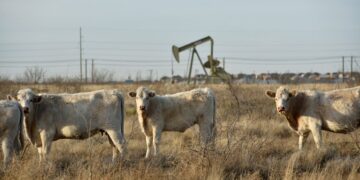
(176, 112)
(336, 111)
(11, 137)
(49, 117)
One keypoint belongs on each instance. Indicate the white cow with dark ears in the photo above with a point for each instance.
(51, 117)
(175, 112)
(11, 136)
(336, 111)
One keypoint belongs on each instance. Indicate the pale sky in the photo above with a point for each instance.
(133, 36)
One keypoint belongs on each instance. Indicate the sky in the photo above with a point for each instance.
(132, 37)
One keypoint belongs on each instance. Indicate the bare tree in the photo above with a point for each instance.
(103, 76)
(4, 78)
(34, 74)
(56, 79)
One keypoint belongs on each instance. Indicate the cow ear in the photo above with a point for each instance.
(9, 97)
(132, 94)
(293, 93)
(270, 94)
(36, 99)
(152, 94)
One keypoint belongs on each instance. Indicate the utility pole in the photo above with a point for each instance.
(343, 68)
(86, 71)
(80, 56)
(223, 63)
(351, 67)
(92, 70)
(138, 76)
(172, 67)
(151, 74)
(172, 71)
(156, 77)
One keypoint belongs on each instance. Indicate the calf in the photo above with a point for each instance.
(11, 118)
(49, 117)
(176, 112)
(336, 111)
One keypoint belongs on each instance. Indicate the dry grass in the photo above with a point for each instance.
(253, 142)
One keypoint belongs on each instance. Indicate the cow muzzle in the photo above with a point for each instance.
(142, 108)
(26, 110)
(281, 109)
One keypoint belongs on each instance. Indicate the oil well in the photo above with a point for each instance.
(216, 74)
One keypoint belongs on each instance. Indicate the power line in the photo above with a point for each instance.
(218, 44)
(37, 56)
(135, 61)
(286, 63)
(284, 50)
(127, 49)
(32, 43)
(228, 44)
(45, 49)
(166, 64)
(319, 60)
(38, 61)
(89, 49)
(127, 65)
(144, 61)
(128, 42)
(224, 50)
(261, 44)
(284, 59)
(114, 61)
(47, 66)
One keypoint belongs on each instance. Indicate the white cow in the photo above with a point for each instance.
(176, 112)
(49, 117)
(336, 111)
(11, 118)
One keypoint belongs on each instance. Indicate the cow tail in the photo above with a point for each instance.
(212, 98)
(122, 107)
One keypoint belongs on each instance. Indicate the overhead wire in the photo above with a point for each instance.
(46, 49)
(151, 62)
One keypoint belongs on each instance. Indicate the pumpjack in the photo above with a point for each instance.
(216, 72)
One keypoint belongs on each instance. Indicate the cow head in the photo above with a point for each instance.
(282, 97)
(143, 96)
(27, 98)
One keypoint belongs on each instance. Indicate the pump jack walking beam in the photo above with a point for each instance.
(176, 50)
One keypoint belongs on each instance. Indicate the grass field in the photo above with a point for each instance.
(253, 142)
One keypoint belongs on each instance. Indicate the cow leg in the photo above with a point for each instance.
(316, 132)
(46, 140)
(302, 140)
(115, 154)
(114, 149)
(156, 139)
(7, 148)
(148, 146)
(39, 149)
(119, 142)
